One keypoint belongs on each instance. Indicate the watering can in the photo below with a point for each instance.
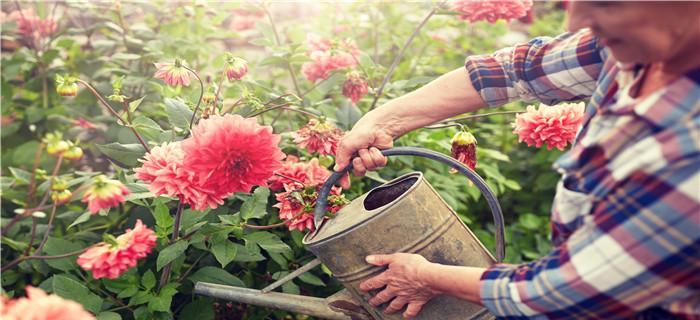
(403, 215)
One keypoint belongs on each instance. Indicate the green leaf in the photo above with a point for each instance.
(224, 252)
(109, 316)
(347, 114)
(254, 207)
(23, 176)
(125, 56)
(57, 246)
(68, 288)
(148, 280)
(311, 279)
(123, 154)
(230, 219)
(248, 254)
(162, 215)
(170, 253)
(140, 298)
(80, 219)
(530, 221)
(133, 105)
(162, 301)
(200, 308)
(512, 184)
(215, 275)
(268, 241)
(178, 113)
(128, 292)
(493, 154)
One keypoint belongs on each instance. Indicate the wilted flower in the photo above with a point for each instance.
(66, 86)
(464, 149)
(173, 74)
(104, 193)
(41, 306)
(231, 154)
(296, 205)
(242, 19)
(555, 126)
(354, 87)
(163, 170)
(318, 136)
(491, 10)
(112, 258)
(236, 68)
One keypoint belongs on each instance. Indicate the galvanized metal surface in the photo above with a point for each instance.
(415, 221)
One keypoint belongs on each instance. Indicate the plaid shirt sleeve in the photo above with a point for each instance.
(550, 70)
(639, 247)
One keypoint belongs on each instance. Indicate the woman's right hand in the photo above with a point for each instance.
(362, 144)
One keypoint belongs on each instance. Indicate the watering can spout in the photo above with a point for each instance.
(339, 306)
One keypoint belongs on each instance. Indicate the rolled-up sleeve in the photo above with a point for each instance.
(639, 248)
(551, 70)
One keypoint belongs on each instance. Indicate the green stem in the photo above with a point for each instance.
(201, 94)
(165, 276)
(279, 43)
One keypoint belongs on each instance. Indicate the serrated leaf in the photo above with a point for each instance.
(123, 154)
(71, 289)
(248, 254)
(170, 253)
(224, 252)
(215, 275)
(179, 114)
(148, 280)
(162, 215)
(254, 207)
(133, 105)
(57, 246)
(268, 241)
(230, 219)
(128, 292)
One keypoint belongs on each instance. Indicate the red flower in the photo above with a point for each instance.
(104, 193)
(173, 74)
(318, 136)
(555, 126)
(327, 56)
(29, 25)
(163, 170)
(491, 10)
(41, 306)
(231, 154)
(236, 68)
(81, 122)
(464, 149)
(111, 260)
(354, 87)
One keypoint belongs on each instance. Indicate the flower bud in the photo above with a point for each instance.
(61, 197)
(66, 86)
(57, 147)
(236, 68)
(464, 148)
(59, 184)
(73, 153)
(208, 98)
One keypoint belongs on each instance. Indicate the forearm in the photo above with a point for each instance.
(458, 281)
(449, 95)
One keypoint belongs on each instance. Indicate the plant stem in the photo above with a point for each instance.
(187, 272)
(271, 226)
(398, 58)
(114, 113)
(288, 177)
(284, 106)
(279, 43)
(165, 276)
(201, 94)
(48, 228)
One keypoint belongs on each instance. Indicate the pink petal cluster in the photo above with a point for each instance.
(355, 87)
(85, 124)
(464, 149)
(236, 68)
(225, 154)
(318, 136)
(327, 56)
(38, 305)
(296, 203)
(31, 26)
(173, 74)
(163, 169)
(111, 260)
(555, 126)
(104, 193)
(242, 19)
(491, 10)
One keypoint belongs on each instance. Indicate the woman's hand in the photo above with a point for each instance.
(405, 281)
(363, 143)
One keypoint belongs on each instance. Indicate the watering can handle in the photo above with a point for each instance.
(322, 200)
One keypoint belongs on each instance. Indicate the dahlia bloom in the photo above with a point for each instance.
(464, 149)
(236, 68)
(104, 193)
(327, 56)
(242, 19)
(318, 136)
(38, 305)
(296, 205)
(66, 86)
(491, 10)
(555, 126)
(163, 170)
(173, 74)
(354, 87)
(30, 25)
(111, 260)
(231, 154)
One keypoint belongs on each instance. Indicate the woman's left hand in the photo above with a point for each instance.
(405, 281)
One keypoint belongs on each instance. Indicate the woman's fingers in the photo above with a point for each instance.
(382, 297)
(374, 283)
(367, 160)
(413, 309)
(377, 156)
(397, 304)
(358, 168)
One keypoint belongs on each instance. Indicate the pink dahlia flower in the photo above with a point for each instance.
(111, 260)
(355, 87)
(318, 136)
(296, 205)
(243, 19)
(30, 25)
(491, 10)
(163, 170)
(38, 305)
(104, 193)
(555, 126)
(328, 56)
(173, 74)
(236, 68)
(231, 154)
(464, 149)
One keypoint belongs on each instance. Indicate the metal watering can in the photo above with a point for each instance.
(403, 215)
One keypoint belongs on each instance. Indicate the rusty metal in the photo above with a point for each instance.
(310, 265)
(311, 306)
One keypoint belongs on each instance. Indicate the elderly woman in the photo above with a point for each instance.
(626, 215)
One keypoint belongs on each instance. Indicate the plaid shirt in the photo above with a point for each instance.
(626, 215)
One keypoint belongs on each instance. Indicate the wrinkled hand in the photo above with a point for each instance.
(404, 281)
(363, 143)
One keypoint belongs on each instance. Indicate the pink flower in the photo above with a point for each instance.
(29, 25)
(111, 260)
(81, 122)
(555, 126)
(354, 87)
(41, 306)
(165, 174)
(464, 149)
(491, 10)
(328, 56)
(296, 205)
(236, 68)
(173, 74)
(318, 136)
(104, 193)
(231, 154)
(242, 19)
